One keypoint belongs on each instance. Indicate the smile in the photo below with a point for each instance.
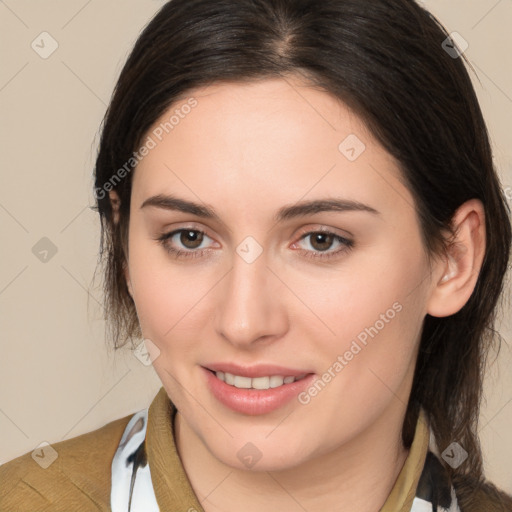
(260, 390)
(272, 381)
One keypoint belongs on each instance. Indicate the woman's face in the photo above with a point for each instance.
(263, 295)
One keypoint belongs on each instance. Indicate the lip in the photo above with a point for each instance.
(254, 402)
(260, 370)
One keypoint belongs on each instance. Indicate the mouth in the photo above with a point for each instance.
(256, 390)
(266, 382)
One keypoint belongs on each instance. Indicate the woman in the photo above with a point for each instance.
(301, 218)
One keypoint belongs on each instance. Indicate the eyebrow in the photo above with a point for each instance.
(169, 202)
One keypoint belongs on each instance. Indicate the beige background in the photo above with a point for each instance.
(57, 378)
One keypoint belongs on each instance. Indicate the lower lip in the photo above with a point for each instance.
(254, 402)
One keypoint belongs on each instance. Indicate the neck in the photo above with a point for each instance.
(359, 474)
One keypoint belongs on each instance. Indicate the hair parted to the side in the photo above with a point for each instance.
(384, 59)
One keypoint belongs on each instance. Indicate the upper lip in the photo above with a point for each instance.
(259, 370)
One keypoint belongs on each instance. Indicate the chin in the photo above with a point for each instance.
(265, 463)
(262, 454)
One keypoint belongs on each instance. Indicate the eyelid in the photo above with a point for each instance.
(173, 229)
(321, 228)
(170, 233)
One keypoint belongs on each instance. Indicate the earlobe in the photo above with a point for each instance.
(115, 203)
(460, 269)
(128, 280)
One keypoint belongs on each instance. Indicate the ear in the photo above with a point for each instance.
(457, 273)
(115, 203)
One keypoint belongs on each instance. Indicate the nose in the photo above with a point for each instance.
(251, 310)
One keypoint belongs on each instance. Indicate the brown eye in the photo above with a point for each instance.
(322, 241)
(185, 243)
(321, 244)
(191, 239)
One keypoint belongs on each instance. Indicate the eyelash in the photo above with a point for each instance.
(312, 255)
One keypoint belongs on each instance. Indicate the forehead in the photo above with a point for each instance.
(280, 136)
(288, 108)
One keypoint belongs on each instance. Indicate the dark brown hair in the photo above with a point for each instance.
(385, 60)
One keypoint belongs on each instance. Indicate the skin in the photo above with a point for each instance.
(247, 150)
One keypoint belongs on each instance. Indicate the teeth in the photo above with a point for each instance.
(261, 382)
(273, 381)
(242, 382)
(276, 381)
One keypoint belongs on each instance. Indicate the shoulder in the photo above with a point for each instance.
(476, 496)
(71, 473)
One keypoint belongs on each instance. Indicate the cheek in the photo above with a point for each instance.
(376, 294)
(173, 300)
(162, 293)
(166, 302)
(375, 313)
